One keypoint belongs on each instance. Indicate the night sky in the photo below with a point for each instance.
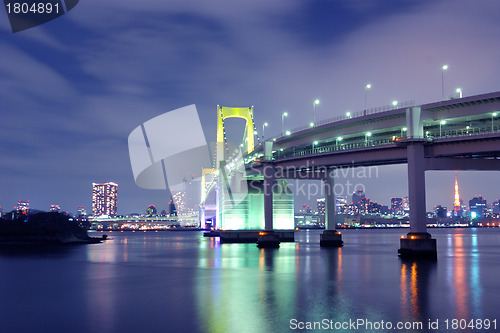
(72, 90)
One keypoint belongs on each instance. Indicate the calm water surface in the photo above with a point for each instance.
(182, 282)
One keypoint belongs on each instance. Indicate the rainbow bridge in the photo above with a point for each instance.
(457, 134)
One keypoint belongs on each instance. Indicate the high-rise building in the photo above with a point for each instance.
(321, 206)
(440, 211)
(397, 206)
(23, 206)
(406, 205)
(179, 199)
(495, 207)
(187, 197)
(357, 196)
(360, 201)
(477, 207)
(464, 211)
(151, 210)
(341, 203)
(81, 214)
(172, 209)
(384, 210)
(306, 209)
(81, 211)
(104, 199)
(374, 207)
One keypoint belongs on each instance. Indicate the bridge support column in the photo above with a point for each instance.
(202, 217)
(418, 242)
(268, 238)
(330, 237)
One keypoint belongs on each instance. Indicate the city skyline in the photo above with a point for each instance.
(76, 117)
(387, 201)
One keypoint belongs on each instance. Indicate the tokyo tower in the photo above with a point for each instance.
(456, 210)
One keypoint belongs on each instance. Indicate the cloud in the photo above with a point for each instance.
(400, 55)
(24, 75)
(131, 61)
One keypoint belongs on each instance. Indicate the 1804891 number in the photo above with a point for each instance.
(34, 8)
(474, 324)
(26, 14)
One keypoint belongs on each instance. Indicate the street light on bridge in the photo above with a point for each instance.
(367, 135)
(493, 115)
(316, 102)
(394, 103)
(441, 124)
(348, 115)
(288, 132)
(264, 125)
(311, 124)
(459, 92)
(367, 86)
(338, 140)
(403, 130)
(283, 115)
(443, 68)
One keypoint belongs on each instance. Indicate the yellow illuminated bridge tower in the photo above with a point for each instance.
(244, 208)
(225, 113)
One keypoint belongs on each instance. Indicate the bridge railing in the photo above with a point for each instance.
(352, 115)
(430, 135)
(371, 143)
(332, 147)
(468, 131)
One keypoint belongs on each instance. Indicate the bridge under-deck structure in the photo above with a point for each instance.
(457, 134)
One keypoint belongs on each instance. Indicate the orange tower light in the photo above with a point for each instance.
(457, 197)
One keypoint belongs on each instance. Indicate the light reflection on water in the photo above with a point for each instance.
(183, 282)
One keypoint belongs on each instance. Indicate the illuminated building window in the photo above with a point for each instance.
(104, 199)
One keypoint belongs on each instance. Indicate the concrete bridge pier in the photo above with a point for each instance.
(268, 238)
(330, 237)
(418, 243)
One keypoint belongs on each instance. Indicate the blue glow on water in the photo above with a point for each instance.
(183, 282)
